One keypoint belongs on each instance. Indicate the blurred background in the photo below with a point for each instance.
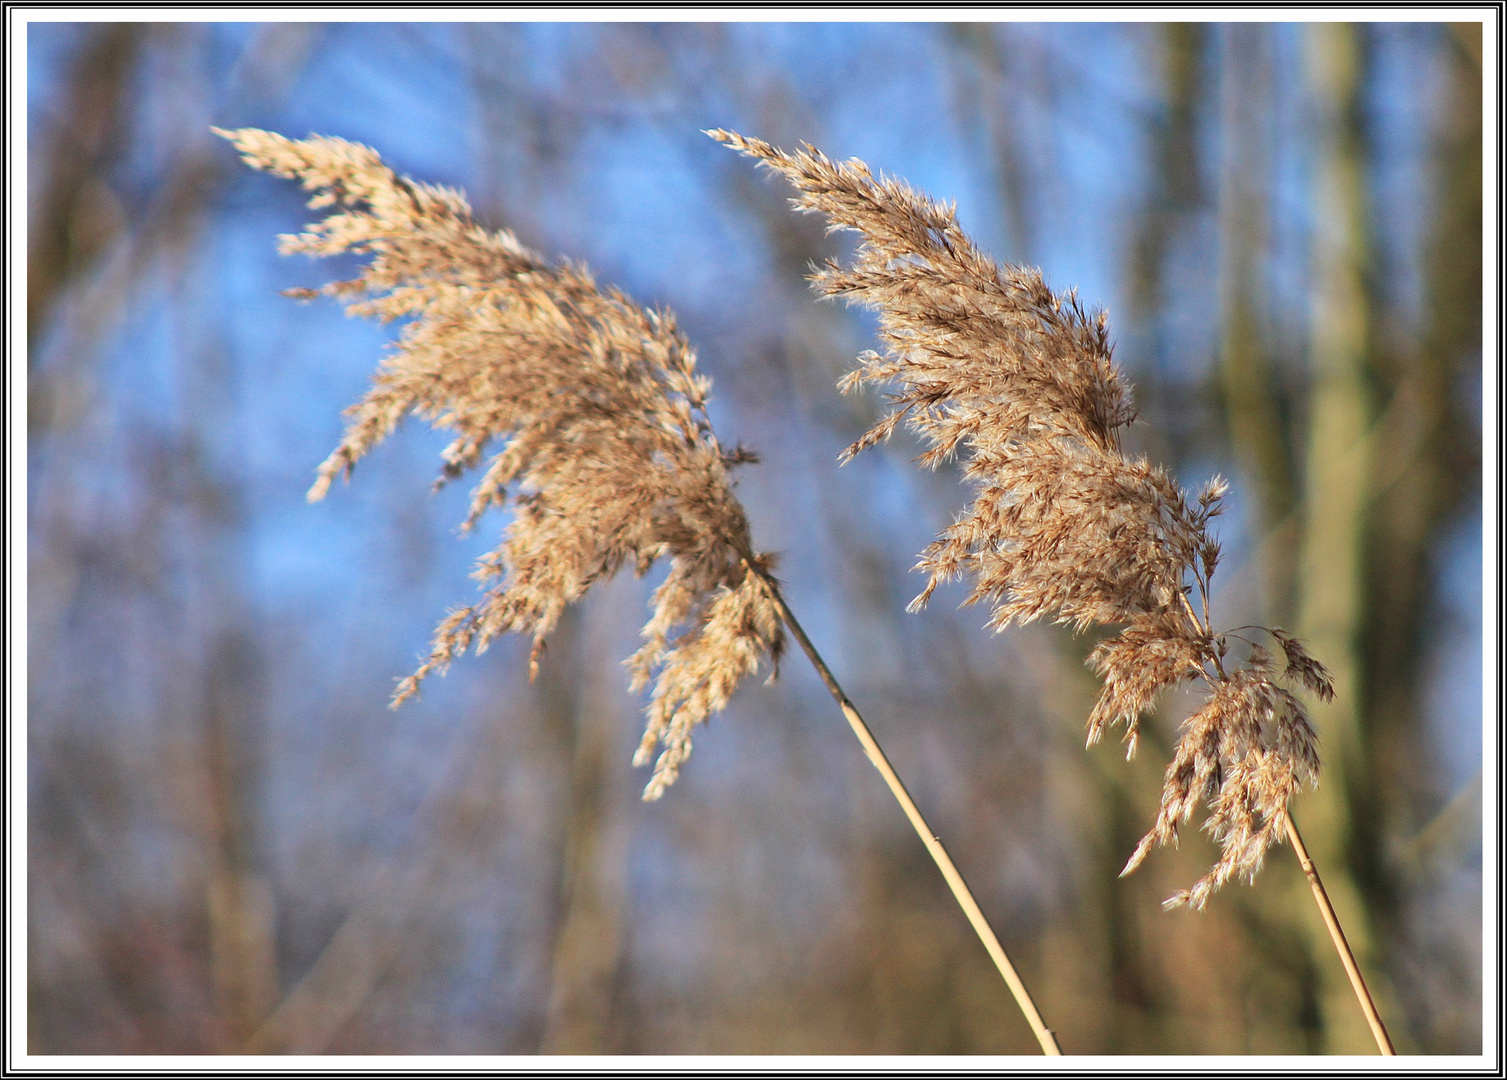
(235, 845)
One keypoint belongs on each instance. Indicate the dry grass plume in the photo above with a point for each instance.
(581, 411)
(988, 365)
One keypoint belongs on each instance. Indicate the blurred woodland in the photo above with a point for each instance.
(234, 845)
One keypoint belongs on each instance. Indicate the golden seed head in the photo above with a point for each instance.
(991, 367)
(583, 405)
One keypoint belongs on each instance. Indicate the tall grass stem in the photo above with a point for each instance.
(1337, 935)
(928, 837)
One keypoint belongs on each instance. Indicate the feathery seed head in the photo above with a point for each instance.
(583, 410)
(988, 365)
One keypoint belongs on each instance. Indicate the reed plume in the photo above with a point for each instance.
(989, 365)
(586, 406)
(599, 424)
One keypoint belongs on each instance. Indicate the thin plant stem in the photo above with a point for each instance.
(1337, 935)
(933, 843)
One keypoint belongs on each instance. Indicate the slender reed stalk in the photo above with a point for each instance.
(933, 842)
(602, 422)
(1337, 935)
(994, 367)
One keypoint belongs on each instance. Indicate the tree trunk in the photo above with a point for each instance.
(1338, 497)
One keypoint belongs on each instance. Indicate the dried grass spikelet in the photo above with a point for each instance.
(987, 364)
(588, 407)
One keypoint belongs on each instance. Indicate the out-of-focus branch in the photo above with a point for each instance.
(76, 213)
(587, 944)
(242, 914)
(85, 240)
(993, 85)
(377, 928)
(1257, 430)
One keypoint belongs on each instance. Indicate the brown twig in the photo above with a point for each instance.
(1337, 935)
